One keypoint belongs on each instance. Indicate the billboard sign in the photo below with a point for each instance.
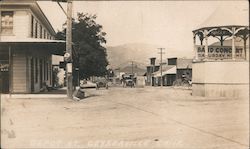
(219, 52)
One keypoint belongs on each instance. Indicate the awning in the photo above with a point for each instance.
(52, 46)
(167, 70)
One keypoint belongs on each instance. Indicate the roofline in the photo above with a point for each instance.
(46, 19)
(219, 27)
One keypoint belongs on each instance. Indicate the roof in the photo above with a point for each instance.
(35, 8)
(222, 17)
(183, 63)
(56, 47)
(30, 40)
(166, 69)
(238, 42)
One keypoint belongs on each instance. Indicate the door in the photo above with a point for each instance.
(4, 77)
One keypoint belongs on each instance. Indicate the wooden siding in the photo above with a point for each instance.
(21, 24)
(19, 73)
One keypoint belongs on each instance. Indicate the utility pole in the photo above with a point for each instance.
(161, 52)
(68, 55)
(132, 63)
(69, 49)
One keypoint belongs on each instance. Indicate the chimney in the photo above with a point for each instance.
(152, 61)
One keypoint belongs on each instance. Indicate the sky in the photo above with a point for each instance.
(168, 24)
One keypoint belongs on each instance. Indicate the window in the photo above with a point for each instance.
(7, 22)
(32, 26)
(36, 30)
(41, 31)
(36, 70)
(44, 34)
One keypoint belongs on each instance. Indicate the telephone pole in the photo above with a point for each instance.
(132, 63)
(69, 49)
(161, 52)
(68, 55)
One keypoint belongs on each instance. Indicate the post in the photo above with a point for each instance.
(195, 49)
(69, 49)
(233, 43)
(132, 63)
(161, 52)
(206, 45)
(246, 52)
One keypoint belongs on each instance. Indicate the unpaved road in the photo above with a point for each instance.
(126, 118)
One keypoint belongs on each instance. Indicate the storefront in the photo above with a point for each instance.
(27, 65)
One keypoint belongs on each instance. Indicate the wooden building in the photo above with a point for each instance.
(26, 47)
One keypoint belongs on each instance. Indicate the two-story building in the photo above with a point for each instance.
(26, 47)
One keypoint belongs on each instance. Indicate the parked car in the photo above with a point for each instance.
(87, 84)
(102, 83)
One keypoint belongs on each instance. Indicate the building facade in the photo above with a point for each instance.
(26, 47)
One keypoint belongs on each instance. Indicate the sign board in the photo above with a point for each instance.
(67, 57)
(4, 67)
(219, 52)
(69, 67)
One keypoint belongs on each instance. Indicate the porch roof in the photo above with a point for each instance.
(168, 69)
(53, 46)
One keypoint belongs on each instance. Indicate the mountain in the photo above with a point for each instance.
(122, 55)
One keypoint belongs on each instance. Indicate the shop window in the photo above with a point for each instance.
(44, 68)
(47, 70)
(36, 70)
(7, 22)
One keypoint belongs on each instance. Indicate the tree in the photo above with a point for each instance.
(88, 39)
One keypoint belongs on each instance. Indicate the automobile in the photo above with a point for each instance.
(129, 82)
(87, 84)
(102, 83)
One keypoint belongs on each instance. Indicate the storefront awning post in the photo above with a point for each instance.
(206, 44)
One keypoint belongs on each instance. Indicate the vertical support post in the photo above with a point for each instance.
(221, 40)
(233, 43)
(69, 49)
(206, 44)
(195, 49)
(245, 48)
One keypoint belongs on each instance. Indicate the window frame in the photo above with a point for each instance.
(11, 27)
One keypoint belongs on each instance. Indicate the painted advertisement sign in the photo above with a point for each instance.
(219, 52)
(4, 67)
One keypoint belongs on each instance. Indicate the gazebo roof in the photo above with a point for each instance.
(222, 17)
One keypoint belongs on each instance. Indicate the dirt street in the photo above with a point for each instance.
(125, 118)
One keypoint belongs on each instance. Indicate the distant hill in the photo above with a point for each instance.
(122, 55)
